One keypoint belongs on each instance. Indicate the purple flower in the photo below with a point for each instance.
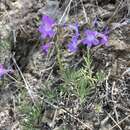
(45, 48)
(72, 46)
(4, 71)
(94, 38)
(90, 38)
(46, 27)
(75, 27)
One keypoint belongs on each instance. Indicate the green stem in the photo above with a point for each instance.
(59, 58)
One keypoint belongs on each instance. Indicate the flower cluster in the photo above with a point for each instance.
(91, 37)
(47, 31)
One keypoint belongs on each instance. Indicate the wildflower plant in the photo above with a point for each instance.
(72, 81)
(83, 78)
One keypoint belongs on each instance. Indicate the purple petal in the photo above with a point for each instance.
(48, 20)
(72, 46)
(103, 39)
(75, 27)
(4, 71)
(74, 40)
(90, 42)
(90, 38)
(43, 35)
(90, 32)
(45, 48)
(46, 27)
(51, 33)
(43, 32)
(94, 38)
(86, 42)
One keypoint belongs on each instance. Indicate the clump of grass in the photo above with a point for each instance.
(30, 112)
